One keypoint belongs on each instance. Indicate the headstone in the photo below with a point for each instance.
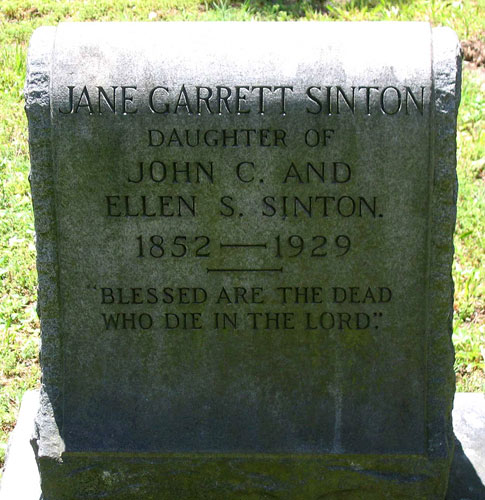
(244, 237)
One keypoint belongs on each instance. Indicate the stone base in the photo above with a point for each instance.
(467, 478)
(21, 477)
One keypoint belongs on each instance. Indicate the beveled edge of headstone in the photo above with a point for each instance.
(446, 80)
(47, 441)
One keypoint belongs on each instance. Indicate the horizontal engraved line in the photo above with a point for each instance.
(243, 245)
(242, 270)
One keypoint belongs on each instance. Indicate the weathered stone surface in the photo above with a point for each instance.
(21, 478)
(245, 246)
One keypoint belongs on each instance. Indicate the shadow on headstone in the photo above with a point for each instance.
(464, 483)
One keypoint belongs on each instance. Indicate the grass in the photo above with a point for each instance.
(469, 265)
(19, 325)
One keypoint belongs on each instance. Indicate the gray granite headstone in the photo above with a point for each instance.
(244, 237)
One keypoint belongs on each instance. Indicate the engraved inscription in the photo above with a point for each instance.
(194, 182)
(243, 99)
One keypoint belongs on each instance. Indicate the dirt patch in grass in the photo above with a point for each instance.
(474, 50)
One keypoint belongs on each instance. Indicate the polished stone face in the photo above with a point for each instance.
(248, 229)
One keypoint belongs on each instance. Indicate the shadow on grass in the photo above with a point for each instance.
(298, 8)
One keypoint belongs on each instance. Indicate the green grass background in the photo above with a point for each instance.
(19, 325)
